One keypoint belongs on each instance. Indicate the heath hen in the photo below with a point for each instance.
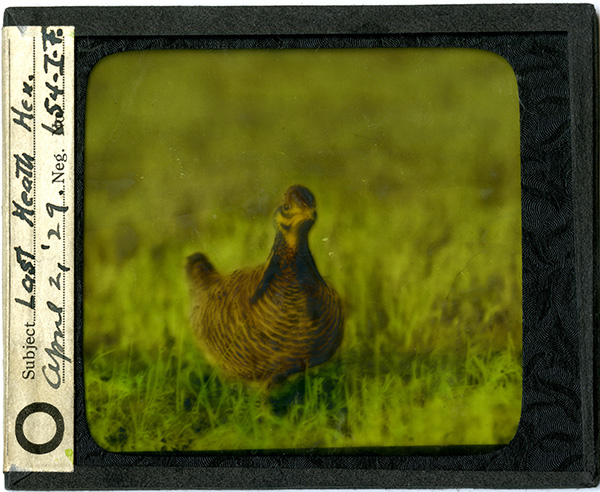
(263, 324)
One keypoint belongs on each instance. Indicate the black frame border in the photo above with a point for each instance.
(576, 23)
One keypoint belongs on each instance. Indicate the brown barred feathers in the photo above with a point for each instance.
(263, 324)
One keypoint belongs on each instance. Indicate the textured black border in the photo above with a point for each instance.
(553, 50)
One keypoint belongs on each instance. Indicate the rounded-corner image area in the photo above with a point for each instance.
(302, 250)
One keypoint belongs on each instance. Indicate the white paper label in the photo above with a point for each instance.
(38, 163)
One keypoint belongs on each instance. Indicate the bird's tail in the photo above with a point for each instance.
(201, 273)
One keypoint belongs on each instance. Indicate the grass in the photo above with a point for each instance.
(413, 156)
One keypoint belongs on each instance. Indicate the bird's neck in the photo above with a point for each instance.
(291, 253)
(291, 261)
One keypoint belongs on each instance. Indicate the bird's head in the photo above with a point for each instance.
(297, 211)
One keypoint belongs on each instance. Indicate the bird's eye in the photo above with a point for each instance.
(286, 207)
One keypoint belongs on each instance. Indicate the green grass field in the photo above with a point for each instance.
(413, 157)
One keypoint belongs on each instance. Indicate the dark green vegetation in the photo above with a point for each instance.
(413, 157)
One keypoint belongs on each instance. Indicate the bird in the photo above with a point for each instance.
(264, 324)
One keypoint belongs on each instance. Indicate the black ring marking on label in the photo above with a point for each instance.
(53, 443)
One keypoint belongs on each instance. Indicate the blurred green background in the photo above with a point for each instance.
(413, 157)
